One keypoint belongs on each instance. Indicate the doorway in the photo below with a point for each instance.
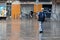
(47, 9)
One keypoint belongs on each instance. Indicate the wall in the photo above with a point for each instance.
(15, 10)
(37, 7)
(56, 12)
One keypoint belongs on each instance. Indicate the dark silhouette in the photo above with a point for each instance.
(31, 13)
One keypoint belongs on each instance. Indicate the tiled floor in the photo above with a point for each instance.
(27, 29)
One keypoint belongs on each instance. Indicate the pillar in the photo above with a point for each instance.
(15, 10)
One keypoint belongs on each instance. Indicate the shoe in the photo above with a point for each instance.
(41, 32)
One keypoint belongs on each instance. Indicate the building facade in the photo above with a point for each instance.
(18, 6)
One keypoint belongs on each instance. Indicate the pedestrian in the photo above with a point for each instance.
(41, 19)
(31, 14)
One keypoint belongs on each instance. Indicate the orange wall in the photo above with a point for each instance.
(15, 11)
(37, 7)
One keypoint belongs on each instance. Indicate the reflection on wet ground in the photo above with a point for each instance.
(27, 29)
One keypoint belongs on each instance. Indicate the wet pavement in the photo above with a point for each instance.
(27, 29)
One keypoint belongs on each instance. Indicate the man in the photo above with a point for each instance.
(41, 19)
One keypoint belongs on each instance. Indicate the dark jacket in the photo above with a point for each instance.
(41, 16)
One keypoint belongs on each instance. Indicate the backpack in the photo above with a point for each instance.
(41, 16)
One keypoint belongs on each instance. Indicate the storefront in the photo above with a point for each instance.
(18, 7)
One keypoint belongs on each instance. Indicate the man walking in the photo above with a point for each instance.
(41, 19)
